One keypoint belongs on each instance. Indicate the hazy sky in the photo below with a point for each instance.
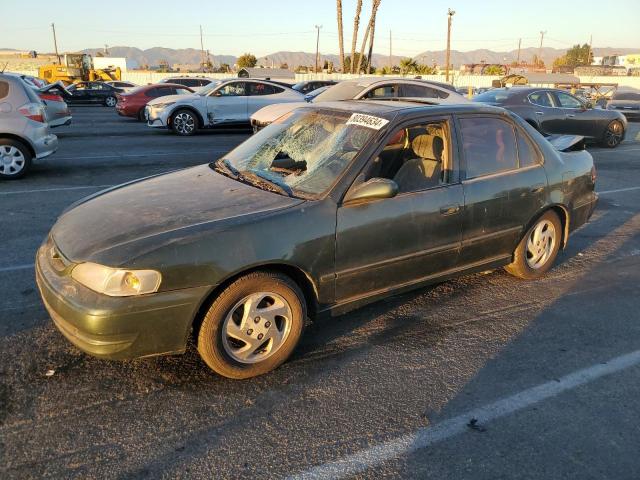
(265, 26)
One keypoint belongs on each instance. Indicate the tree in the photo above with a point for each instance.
(576, 56)
(537, 62)
(247, 60)
(372, 19)
(354, 39)
(426, 70)
(493, 70)
(363, 64)
(408, 65)
(340, 33)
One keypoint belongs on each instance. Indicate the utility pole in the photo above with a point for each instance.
(55, 42)
(390, 61)
(203, 58)
(318, 27)
(450, 14)
(589, 52)
(540, 49)
(519, 44)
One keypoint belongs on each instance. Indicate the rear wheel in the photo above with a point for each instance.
(538, 249)
(184, 123)
(253, 326)
(110, 101)
(613, 134)
(15, 159)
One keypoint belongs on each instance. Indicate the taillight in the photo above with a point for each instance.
(52, 97)
(33, 111)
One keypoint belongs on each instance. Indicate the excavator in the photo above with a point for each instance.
(77, 67)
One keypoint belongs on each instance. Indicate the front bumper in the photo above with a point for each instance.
(157, 118)
(115, 328)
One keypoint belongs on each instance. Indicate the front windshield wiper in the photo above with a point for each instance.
(259, 178)
(224, 167)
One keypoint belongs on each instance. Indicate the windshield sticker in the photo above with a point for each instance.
(368, 121)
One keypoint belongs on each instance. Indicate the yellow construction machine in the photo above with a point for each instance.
(77, 67)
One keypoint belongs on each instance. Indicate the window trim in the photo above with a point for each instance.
(556, 98)
(553, 99)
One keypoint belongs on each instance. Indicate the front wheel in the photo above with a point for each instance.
(253, 326)
(613, 134)
(538, 249)
(15, 159)
(110, 101)
(184, 123)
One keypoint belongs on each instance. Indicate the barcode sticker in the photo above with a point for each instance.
(368, 121)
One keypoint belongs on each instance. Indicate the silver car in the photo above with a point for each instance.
(372, 88)
(24, 131)
(225, 102)
(51, 95)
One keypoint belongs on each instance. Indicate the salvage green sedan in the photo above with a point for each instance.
(330, 207)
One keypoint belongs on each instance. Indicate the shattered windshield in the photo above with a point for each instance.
(302, 153)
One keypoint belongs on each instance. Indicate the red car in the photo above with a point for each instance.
(132, 104)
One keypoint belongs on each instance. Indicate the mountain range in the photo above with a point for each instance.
(190, 56)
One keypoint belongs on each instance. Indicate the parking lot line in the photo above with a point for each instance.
(57, 189)
(14, 268)
(604, 192)
(427, 436)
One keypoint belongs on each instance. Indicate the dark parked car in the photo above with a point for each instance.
(553, 111)
(333, 207)
(132, 104)
(311, 85)
(627, 102)
(92, 93)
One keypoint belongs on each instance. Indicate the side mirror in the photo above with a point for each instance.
(374, 189)
(589, 105)
(216, 94)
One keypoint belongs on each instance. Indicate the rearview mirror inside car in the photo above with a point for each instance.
(374, 189)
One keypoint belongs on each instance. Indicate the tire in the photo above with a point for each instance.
(526, 263)
(613, 134)
(238, 345)
(15, 159)
(110, 101)
(141, 115)
(184, 123)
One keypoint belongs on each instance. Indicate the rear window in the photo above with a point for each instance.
(342, 91)
(626, 96)
(493, 96)
(4, 89)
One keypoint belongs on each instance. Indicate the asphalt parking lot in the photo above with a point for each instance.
(482, 377)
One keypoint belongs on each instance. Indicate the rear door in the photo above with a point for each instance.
(504, 186)
(228, 104)
(261, 94)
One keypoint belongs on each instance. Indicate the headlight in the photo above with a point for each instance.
(116, 282)
(161, 105)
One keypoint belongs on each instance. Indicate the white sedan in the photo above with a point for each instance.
(221, 103)
(372, 88)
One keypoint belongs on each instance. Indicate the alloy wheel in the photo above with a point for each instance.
(613, 135)
(12, 160)
(256, 327)
(111, 102)
(540, 244)
(184, 123)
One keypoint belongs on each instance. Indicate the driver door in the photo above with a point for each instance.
(578, 120)
(228, 104)
(416, 235)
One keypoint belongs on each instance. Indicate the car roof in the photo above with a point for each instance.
(389, 109)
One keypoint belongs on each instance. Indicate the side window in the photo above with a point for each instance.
(527, 154)
(416, 157)
(489, 146)
(233, 89)
(542, 99)
(163, 91)
(385, 91)
(410, 90)
(189, 82)
(567, 101)
(4, 89)
(152, 92)
(182, 91)
(256, 88)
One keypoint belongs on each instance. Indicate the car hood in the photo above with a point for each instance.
(270, 113)
(175, 98)
(162, 204)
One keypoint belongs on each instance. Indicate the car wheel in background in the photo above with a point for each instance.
(613, 134)
(15, 159)
(538, 249)
(184, 122)
(253, 326)
(110, 101)
(141, 115)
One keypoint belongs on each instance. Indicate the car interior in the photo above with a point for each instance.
(416, 158)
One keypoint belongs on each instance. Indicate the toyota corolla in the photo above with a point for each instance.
(331, 207)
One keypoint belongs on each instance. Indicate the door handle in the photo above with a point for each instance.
(539, 113)
(570, 115)
(537, 188)
(449, 209)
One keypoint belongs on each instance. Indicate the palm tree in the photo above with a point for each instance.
(408, 65)
(374, 9)
(356, 21)
(340, 37)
